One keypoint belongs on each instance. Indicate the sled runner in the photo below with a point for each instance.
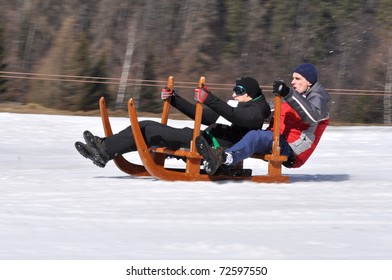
(153, 158)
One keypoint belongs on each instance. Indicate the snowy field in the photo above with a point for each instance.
(56, 205)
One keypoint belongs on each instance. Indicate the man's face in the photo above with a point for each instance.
(299, 83)
(241, 98)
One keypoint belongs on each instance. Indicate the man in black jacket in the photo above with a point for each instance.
(248, 113)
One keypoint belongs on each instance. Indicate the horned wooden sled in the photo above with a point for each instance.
(153, 158)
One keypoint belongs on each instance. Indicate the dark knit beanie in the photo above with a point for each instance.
(251, 85)
(308, 71)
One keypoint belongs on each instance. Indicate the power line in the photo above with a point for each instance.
(158, 83)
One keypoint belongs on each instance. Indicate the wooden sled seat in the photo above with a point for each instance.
(184, 152)
(175, 153)
(153, 158)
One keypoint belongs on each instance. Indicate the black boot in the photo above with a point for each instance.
(94, 149)
(213, 158)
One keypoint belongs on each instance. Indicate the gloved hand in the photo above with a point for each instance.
(166, 93)
(280, 88)
(201, 94)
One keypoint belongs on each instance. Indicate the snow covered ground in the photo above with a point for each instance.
(54, 204)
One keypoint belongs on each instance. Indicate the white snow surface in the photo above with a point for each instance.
(55, 204)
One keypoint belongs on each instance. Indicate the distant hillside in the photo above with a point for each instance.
(347, 40)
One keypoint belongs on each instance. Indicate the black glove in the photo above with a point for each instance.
(280, 88)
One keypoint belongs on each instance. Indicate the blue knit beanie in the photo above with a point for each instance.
(308, 71)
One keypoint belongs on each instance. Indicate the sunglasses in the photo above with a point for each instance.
(239, 90)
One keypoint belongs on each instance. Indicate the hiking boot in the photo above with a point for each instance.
(94, 149)
(213, 158)
(89, 153)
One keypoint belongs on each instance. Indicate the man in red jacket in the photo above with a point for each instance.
(304, 117)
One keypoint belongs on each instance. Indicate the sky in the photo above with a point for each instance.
(57, 205)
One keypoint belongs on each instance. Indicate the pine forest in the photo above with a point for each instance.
(67, 54)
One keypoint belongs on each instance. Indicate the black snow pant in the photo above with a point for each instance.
(159, 135)
(154, 133)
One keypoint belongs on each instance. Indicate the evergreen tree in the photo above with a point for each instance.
(149, 96)
(234, 25)
(82, 59)
(79, 65)
(96, 90)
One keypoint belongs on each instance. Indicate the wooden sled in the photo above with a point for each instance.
(153, 158)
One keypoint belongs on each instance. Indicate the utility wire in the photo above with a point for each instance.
(159, 83)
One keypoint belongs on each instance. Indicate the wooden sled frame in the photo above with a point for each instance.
(153, 158)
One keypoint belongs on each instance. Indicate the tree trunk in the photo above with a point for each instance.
(127, 64)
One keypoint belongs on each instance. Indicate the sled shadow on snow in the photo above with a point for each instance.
(128, 177)
(294, 178)
(319, 178)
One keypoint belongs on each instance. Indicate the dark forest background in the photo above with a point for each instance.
(50, 48)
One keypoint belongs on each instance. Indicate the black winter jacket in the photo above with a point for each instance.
(245, 117)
